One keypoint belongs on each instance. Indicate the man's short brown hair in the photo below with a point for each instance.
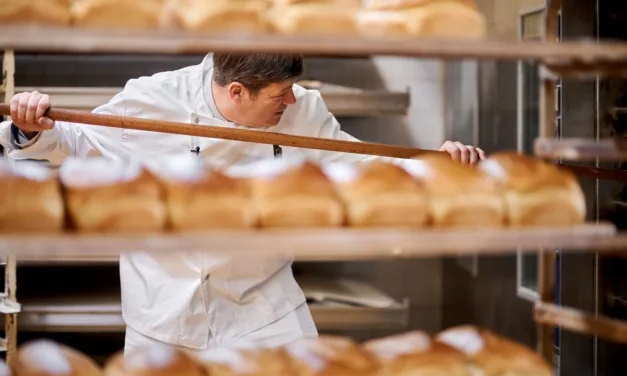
(255, 71)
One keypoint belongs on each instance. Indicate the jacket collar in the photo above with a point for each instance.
(201, 105)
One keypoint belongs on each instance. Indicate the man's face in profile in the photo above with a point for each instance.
(266, 108)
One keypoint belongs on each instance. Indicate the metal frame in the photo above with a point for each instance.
(546, 260)
(522, 291)
(8, 305)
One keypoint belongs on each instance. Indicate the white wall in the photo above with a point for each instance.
(423, 79)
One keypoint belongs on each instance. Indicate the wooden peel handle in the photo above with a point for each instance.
(244, 135)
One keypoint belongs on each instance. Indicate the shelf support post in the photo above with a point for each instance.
(546, 289)
(546, 259)
(10, 287)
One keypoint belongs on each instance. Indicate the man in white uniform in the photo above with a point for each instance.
(196, 301)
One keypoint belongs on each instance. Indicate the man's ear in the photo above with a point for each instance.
(236, 92)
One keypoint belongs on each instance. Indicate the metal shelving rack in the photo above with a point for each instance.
(566, 59)
(8, 305)
(341, 101)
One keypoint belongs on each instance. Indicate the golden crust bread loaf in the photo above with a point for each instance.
(331, 355)
(46, 12)
(459, 195)
(410, 4)
(415, 354)
(30, 198)
(48, 358)
(117, 14)
(300, 196)
(249, 361)
(153, 360)
(536, 193)
(435, 18)
(380, 194)
(242, 16)
(490, 354)
(314, 18)
(104, 196)
(388, 23)
(210, 200)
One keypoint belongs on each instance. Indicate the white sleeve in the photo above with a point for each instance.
(23, 141)
(67, 139)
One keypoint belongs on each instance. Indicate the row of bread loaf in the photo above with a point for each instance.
(182, 193)
(459, 351)
(420, 18)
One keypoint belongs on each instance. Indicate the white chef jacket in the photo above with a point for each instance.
(185, 299)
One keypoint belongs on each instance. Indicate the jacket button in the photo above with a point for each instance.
(196, 120)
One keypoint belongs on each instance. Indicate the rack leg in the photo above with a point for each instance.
(11, 320)
(546, 259)
(8, 83)
(546, 286)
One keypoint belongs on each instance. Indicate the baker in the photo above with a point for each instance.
(171, 299)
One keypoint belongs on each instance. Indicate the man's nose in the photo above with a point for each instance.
(290, 98)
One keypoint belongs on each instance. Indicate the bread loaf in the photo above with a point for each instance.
(218, 16)
(414, 353)
(458, 19)
(379, 194)
(412, 4)
(45, 12)
(48, 358)
(536, 193)
(117, 14)
(490, 354)
(331, 355)
(459, 196)
(298, 195)
(388, 23)
(153, 360)
(246, 361)
(30, 198)
(112, 196)
(200, 198)
(314, 18)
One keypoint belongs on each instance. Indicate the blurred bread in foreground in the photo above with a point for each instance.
(537, 193)
(458, 19)
(297, 196)
(198, 197)
(48, 358)
(30, 198)
(104, 195)
(46, 12)
(152, 360)
(490, 354)
(459, 196)
(117, 14)
(379, 194)
(218, 16)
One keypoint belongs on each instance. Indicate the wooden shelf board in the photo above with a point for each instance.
(581, 322)
(47, 39)
(318, 244)
(581, 149)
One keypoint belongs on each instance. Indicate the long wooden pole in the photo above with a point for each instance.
(245, 135)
